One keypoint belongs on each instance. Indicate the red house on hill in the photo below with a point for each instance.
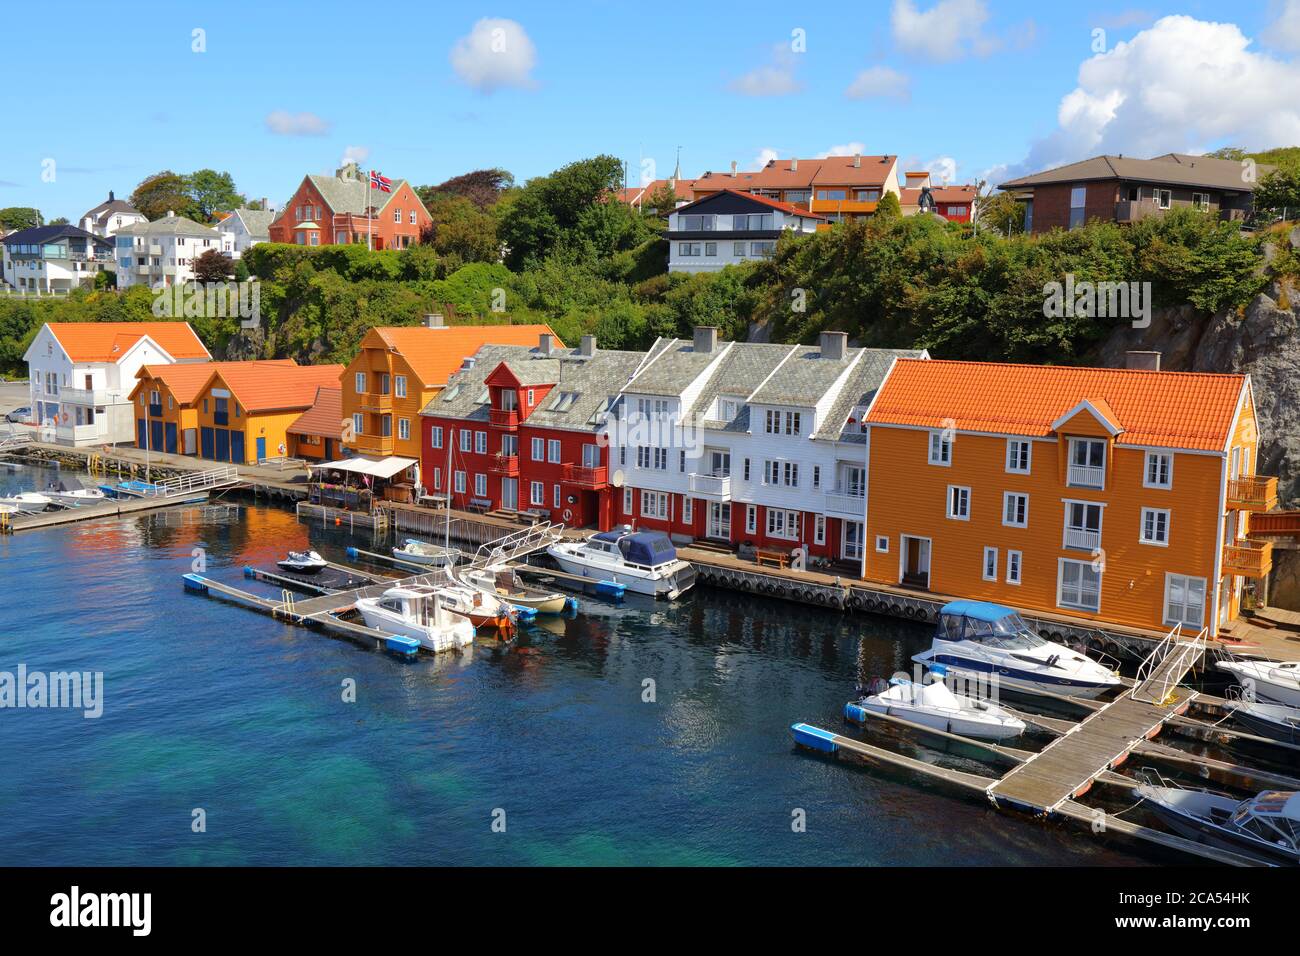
(516, 429)
(343, 208)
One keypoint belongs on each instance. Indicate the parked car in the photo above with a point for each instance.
(19, 414)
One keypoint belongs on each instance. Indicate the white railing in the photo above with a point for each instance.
(719, 486)
(1167, 665)
(91, 396)
(1082, 539)
(517, 544)
(194, 481)
(1087, 476)
(13, 439)
(282, 462)
(842, 502)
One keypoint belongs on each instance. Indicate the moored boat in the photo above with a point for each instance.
(934, 705)
(417, 611)
(502, 582)
(642, 561)
(303, 562)
(1265, 827)
(27, 502)
(1276, 681)
(74, 497)
(414, 551)
(1275, 721)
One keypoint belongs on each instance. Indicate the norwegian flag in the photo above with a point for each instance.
(380, 181)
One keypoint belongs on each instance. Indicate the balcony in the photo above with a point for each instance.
(91, 396)
(1086, 476)
(1252, 493)
(375, 402)
(504, 417)
(711, 486)
(593, 479)
(1082, 539)
(846, 503)
(1250, 559)
(505, 465)
(379, 445)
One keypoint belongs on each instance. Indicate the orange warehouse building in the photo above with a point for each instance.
(1114, 496)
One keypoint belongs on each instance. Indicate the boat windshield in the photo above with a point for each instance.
(1009, 632)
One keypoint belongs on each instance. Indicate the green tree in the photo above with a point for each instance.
(1000, 213)
(1279, 193)
(482, 187)
(20, 217)
(163, 192)
(889, 206)
(549, 210)
(212, 192)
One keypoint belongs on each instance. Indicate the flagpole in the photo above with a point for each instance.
(370, 216)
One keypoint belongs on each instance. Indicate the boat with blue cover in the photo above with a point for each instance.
(978, 640)
(642, 561)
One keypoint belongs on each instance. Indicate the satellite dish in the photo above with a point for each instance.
(617, 479)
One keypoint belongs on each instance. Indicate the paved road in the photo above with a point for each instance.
(12, 395)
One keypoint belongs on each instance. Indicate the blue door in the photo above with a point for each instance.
(171, 437)
(261, 449)
(205, 442)
(141, 431)
(237, 447)
(223, 444)
(156, 435)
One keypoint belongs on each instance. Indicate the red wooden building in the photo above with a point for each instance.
(343, 208)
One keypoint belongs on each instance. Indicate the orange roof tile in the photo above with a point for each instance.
(941, 194)
(324, 418)
(785, 207)
(807, 173)
(186, 381)
(109, 341)
(259, 389)
(434, 354)
(1190, 410)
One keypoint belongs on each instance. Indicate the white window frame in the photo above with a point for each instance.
(458, 480)
(1014, 445)
(480, 443)
(1142, 527)
(751, 519)
(1187, 580)
(989, 568)
(359, 382)
(819, 529)
(627, 500)
(1015, 566)
(466, 440)
(688, 510)
(1007, 497)
(938, 445)
(435, 436)
(539, 449)
(948, 506)
(555, 497)
(404, 429)
(358, 420)
(1168, 483)
(536, 493)
(553, 451)
(654, 505)
(1060, 585)
(789, 522)
(1066, 527)
(399, 386)
(882, 543)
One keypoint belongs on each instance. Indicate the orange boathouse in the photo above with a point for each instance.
(1115, 496)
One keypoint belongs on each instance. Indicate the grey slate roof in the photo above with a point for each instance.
(170, 226)
(861, 387)
(105, 209)
(674, 365)
(39, 235)
(803, 378)
(746, 364)
(256, 221)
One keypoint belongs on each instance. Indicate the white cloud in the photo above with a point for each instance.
(942, 169)
(949, 30)
(765, 156)
(284, 123)
(355, 154)
(496, 54)
(844, 149)
(879, 81)
(1182, 85)
(776, 78)
(1284, 32)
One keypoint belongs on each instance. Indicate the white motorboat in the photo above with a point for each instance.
(642, 561)
(414, 551)
(934, 705)
(1274, 681)
(483, 609)
(303, 562)
(27, 502)
(75, 497)
(981, 641)
(1265, 827)
(502, 582)
(1275, 721)
(417, 611)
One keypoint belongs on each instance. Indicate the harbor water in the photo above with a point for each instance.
(640, 733)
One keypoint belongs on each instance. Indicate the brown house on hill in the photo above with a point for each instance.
(1122, 189)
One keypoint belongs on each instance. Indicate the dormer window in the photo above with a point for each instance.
(1087, 467)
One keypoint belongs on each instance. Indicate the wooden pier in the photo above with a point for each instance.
(112, 508)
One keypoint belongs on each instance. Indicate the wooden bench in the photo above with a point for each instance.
(780, 559)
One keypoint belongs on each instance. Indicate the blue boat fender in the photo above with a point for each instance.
(855, 712)
(402, 646)
(351, 553)
(249, 572)
(571, 605)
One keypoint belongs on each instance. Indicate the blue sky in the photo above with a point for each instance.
(975, 88)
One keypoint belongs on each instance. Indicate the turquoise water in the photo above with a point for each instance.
(209, 706)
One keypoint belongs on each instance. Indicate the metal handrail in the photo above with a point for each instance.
(1181, 651)
(194, 481)
(516, 544)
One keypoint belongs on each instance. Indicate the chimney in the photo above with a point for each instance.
(1142, 361)
(733, 169)
(433, 320)
(110, 195)
(587, 346)
(545, 343)
(833, 345)
(266, 207)
(706, 339)
(794, 164)
(857, 160)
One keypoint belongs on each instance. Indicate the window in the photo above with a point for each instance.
(537, 493)
(627, 501)
(386, 425)
(480, 485)
(710, 249)
(882, 544)
(764, 248)
(1015, 509)
(1079, 586)
(1164, 198)
(654, 504)
(553, 451)
(831, 194)
(399, 386)
(1155, 526)
(681, 461)
(397, 215)
(817, 476)
(404, 428)
(1013, 567)
(697, 223)
(1078, 198)
(555, 496)
(480, 443)
(819, 529)
(783, 524)
(737, 249)
(751, 518)
(357, 420)
(1019, 455)
(689, 248)
(361, 383)
(1201, 201)
(1082, 525)
(437, 479)
(746, 469)
(531, 402)
(1159, 470)
(959, 502)
(940, 448)
(460, 482)
(656, 458)
(435, 436)
(1087, 463)
(990, 564)
(539, 449)
(1184, 601)
(688, 510)
(411, 217)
